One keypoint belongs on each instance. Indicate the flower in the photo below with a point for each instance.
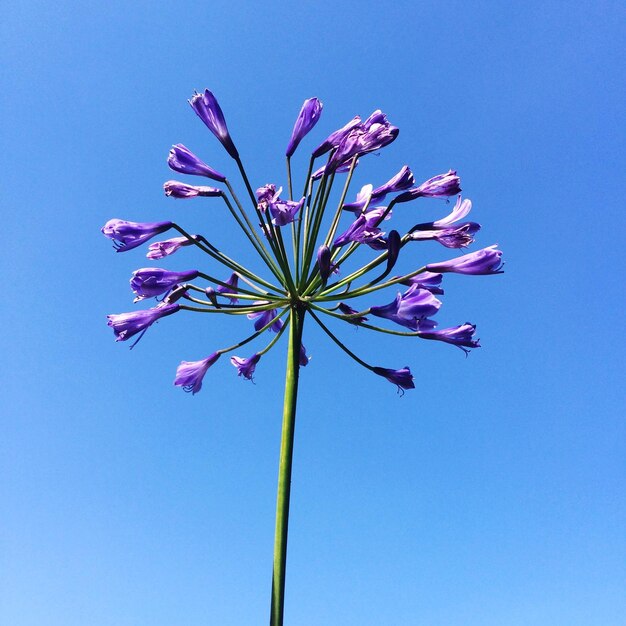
(129, 235)
(363, 198)
(347, 310)
(189, 374)
(402, 377)
(233, 282)
(161, 249)
(324, 262)
(266, 194)
(125, 325)
(307, 118)
(148, 282)
(263, 318)
(342, 168)
(365, 230)
(182, 190)
(426, 280)
(401, 181)
(183, 160)
(208, 110)
(303, 358)
(246, 367)
(411, 309)
(284, 211)
(461, 336)
(437, 187)
(485, 261)
(334, 139)
(459, 237)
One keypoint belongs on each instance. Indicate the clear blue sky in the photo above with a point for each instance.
(492, 495)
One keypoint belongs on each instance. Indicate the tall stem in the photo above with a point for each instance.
(284, 468)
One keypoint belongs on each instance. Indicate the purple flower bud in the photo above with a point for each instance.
(394, 244)
(334, 139)
(410, 309)
(461, 336)
(426, 280)
(485, 261)
(233, 283)
(180, 291)
(182, 190)
(401, 181)
(183, 160)
(125, 325)
(129, 235)
(439, 186)
(307, 118)
(189, 374)
(403, 377)
(303, 358)
(459, 237)
(365, 230)
(363, 198)
(347, 310)
(246, 367)
(263, 318)
(323, 262)
(148, 282)
(342, 168)
(208, 110)
(161, 249)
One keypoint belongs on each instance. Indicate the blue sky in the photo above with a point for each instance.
(492, 495)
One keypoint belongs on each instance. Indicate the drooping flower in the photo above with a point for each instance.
(402, 377)
(411, 309)
(461, 336)
(263, 318)
(284, 211)
(129, 235)
(347, 310)
(189, 374)
(246, 367)
(334, 139)
(161, 249)
(177, 189)
(183, 160)
(307, 118)
(485, 261)
(149, 282)
(233, 282)
(439, 186)
(324, 262)
(303, 358)
(125, 325)
(208, 110)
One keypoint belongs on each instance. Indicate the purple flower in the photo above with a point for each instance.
(303, 358)
(307, 118)
(363, 198)
(461, 336)
(263, 318)
(426, 280)
(324, 262)
(182, 190)
(461, 209)
(284, 211)
(334, 139)
(129, 235)
(246, 367)
(439, 186)
(347, 310)
(342, 168)
(233, 282)
(459, 237)
(125, 325)
(208, 110)
(178, 292)
(265, 195)
(183, 160)
(394, 244)
(161, 249)
(401, 181)
(189, 374)
(402, 377)
(411, 309)
(485, 261)
(148, 282)
(365, 230)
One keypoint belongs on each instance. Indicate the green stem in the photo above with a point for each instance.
(284, 468)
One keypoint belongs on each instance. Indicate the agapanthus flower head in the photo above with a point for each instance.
(246, 367)
(161, 249)
(307, 118)
(233, 282)
(440, 186)
(129, 235)
(461, 336)
(402, 377)
(189, 374)
(177, 189)
(208, 110)
(485, 261)
(126, 325)
(183, 160)
(411, 309)
(149, 282)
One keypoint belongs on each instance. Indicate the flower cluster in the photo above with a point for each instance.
(304, 281)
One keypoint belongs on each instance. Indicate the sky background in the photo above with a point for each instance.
(491, 495)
